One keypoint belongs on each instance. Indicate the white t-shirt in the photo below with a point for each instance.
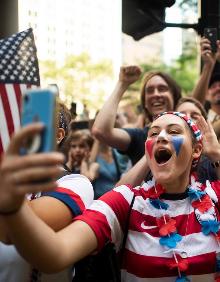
(76, 192)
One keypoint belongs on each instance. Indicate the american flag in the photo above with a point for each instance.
(18, 71)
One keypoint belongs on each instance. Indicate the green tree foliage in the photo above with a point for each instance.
(80, 79)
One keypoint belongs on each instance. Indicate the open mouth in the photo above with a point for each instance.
(162, 156)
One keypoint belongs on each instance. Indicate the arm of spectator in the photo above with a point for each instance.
(89, 169)
(20, 175)
(52, 211)
(47, 250)
(211, 146)
(57, 208)
(103, 128)
(136, 174)
(216, 127)
(209, 59)
(94, 151)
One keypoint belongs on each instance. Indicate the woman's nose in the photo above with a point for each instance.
(162, 135)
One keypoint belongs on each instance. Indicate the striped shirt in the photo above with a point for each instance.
(145, 260)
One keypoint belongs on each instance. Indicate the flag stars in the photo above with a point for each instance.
(6, 72)
(18, 60)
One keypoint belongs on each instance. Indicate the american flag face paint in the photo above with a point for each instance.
(177, 143)
(149, 147)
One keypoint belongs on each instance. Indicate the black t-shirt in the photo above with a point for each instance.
(136, 148)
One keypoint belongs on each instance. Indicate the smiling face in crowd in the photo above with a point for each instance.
(190, 110)
(170, 150)
(158, 97)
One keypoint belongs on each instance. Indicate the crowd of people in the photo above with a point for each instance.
(153, 190)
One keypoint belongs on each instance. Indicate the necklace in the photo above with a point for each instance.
(170, 239)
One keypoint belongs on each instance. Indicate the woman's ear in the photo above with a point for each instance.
(197, 150)
(60, 135)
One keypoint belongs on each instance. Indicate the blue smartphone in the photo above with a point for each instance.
(40, 105)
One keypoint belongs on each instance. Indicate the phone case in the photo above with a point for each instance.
(211, 34)
(40, 106)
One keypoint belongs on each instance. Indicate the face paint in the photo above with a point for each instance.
(149, 146)
(162, 133)
(177, 143)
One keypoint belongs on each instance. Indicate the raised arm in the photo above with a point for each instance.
(45, 249)
(16, 171)
(209, 59)
(103, 128)
(136, 174)
(35, 240)
(211, 146)
(89, 169)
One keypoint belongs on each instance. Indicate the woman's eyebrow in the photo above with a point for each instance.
(154, 127)
(174, 124)
(169, 125)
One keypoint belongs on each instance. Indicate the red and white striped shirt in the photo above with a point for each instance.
(145, 260)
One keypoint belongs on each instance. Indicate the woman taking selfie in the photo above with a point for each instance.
(173, 231)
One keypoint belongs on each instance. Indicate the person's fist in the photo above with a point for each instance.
(129, 74)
